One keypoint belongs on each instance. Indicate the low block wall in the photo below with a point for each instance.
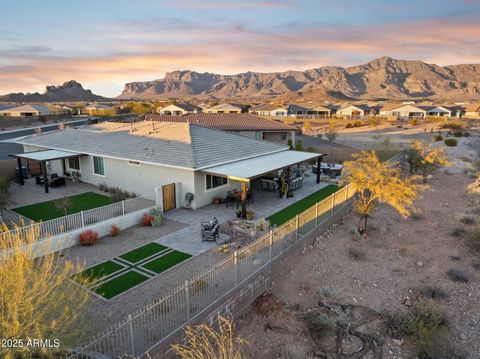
(70, 239)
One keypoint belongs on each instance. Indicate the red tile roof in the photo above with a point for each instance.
(226, 121)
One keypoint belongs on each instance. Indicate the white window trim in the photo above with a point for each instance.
(104, 168)
(74, 169)
(214, 189)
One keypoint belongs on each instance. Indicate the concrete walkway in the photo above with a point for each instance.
(189, 239)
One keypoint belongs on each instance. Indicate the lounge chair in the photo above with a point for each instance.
(211, 234)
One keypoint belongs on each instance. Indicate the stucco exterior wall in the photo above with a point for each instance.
(205, 197)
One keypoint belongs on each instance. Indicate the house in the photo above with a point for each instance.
(268, 110)
(31, 110)
(177, 109)
(433, 110)
(472, 110)
(359, 110)
(244, 124)
(179, 158)
(309, 108)
(402, 111)
(224, 108)
(95, 109)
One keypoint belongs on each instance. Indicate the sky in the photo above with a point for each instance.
(104, 44)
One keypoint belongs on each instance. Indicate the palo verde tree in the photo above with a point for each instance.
(428, 158)
(36, 298)
(378, 182)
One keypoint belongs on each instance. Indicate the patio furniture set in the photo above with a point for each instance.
(54, 181)
(329, 169)
(235, 196)
(272, 185)
(210, 230)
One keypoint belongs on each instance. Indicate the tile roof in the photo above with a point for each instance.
(225, 107)
(473, 107)
(29, 108)
(266, 107)
(184, 106)
(226, 121)
(164, 143)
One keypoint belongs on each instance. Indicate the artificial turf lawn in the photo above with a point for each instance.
(46, 210)
(120, 284)
(143, 252)
(100, 270)
(167, 261)
(298, 207)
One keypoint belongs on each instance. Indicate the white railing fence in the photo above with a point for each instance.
(83, 219)
(143, 331)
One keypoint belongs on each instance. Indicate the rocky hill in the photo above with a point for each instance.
(68, 91)
(383, 78)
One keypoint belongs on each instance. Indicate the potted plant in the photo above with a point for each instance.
(217, 200)
(250, 215)
(238, 213)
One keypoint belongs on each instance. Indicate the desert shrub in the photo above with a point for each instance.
(458, 134)
(357, 124)
(453, 125)
(119, 196)
(319, 325)
(349, 125)
(356, 254)
(451, 142)
(157, 217)
(374, 121)
(417, 215)
(263, 224)
(102, 186)
(425, 329)
(293, 351)
(476, 264)
(458, 232)
(473, 241)
(438, 138)
(89, 237)
(430, 292)
(466, 134)
(328, 292)
(457, 275)
(413, 122)
(114, 230)
(146, 220)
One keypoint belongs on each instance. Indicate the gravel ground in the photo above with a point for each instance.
(399, 255)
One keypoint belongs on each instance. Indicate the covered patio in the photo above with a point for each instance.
(42, 157)
(247, 170)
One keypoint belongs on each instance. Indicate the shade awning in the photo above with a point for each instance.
(245, 170)
(46, 155)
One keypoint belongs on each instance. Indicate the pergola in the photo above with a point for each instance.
(248, 169)
(43, 157)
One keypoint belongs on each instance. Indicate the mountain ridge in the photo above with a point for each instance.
(381, 78)
(66, 92)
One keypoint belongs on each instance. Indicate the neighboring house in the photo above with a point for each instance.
(243, 124)
(433, 110)
(355, 110)
(31, 110)
(268, 110)
(402, 111)
(142, 156)
(94, 109)
(178, 109)
(309, 108)
(224, 108)
(472, 110)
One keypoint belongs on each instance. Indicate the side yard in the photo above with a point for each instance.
(402, 265)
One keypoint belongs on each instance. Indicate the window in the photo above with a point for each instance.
(74, 163)
(98, 166)
(258, 135)
(284, 136)
(215, 181)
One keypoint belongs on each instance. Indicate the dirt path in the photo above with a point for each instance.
(381, 272)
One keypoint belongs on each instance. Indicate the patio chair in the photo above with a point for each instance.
(211, 234)
(264, 185)
(230, 198)
(39, 180)
(209, 224)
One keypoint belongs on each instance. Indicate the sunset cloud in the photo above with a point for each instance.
(129, 49)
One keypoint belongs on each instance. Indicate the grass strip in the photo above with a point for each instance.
(96, 272)
(298, 207)
(117, 285)
(167, 261)
(143, 252)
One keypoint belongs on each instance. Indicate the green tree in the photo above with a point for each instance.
(298, 145)
(429, 158)
(378, 182)
(63, 204)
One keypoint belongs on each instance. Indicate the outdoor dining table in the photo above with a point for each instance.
(237, 197)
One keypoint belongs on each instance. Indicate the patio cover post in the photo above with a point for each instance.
(20, 171)
(244, 199)
(319, 162)
(43, 165)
